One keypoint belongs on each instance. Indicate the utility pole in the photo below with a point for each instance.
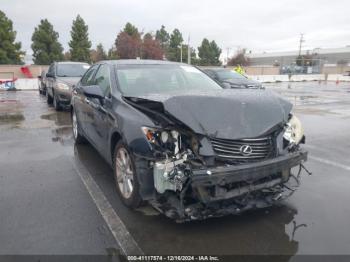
(300, 58)
(188, 51)
(301, 41)
(181, 53)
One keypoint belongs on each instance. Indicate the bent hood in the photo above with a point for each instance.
(226, 113)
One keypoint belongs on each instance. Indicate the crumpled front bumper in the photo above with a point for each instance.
(233, 189)
(248, 172)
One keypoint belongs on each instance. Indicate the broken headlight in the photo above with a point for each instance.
(164, 140)
(293, 131)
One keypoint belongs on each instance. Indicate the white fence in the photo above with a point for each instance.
(299, 78)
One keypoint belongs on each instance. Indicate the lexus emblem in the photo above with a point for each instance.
(246, 150)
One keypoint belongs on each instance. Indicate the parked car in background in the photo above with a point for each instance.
(60, 79)
(42, 83)
(177, 139)
(231, 79)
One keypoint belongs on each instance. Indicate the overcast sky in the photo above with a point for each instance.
(265, 25)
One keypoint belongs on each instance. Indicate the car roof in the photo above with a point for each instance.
(139, 62)
(70, 62)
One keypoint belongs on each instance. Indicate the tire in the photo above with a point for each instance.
(125, 176)
(56, 103)
(48, 98)
(78, 138)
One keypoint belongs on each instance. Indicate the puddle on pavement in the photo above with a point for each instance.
(59, 118)
(63, 135)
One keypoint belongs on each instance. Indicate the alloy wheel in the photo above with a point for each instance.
(124, 173)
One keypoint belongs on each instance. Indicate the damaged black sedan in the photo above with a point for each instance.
(179, 141)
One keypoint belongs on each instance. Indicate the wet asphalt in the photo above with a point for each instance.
(45, 208)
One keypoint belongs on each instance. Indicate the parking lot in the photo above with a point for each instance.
(57, 198)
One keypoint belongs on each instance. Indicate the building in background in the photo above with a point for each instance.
(311, 61)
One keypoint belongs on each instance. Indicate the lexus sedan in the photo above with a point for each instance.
(231, 79)
(179, 141)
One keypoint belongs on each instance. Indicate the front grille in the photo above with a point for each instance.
(233, 150)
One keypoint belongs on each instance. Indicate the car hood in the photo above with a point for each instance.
(69, 80)
(242, 82)
(226, 113)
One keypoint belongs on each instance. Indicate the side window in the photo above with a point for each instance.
(102, 79)
(88, 77)
(51, 71)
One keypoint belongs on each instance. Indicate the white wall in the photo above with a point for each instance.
(22, 84)
(27, 84)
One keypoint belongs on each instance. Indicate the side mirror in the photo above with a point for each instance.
(93, 91)
(49, 75)
(225, 85)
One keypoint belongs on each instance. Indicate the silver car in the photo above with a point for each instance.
(61, 77)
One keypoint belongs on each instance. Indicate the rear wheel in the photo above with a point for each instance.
(79, 139)
(125, 176)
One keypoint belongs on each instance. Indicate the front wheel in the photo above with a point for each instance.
(48, 98)
(56, 103)
(78, 138)
(125, 176)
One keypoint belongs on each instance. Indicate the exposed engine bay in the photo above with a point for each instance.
(201, 175)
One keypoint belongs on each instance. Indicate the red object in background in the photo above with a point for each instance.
(25, 71)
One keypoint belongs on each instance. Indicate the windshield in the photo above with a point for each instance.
(71, 70)
(146, 79)
(228, 74)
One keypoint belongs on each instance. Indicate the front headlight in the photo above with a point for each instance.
(62, 86)
(168, 140)
(294, 131)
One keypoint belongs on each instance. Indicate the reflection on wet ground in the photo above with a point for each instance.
(310, 222)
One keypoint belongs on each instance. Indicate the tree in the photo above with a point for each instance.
(98, 54)
(112, 53)
(209, 53)
(46, 48)
(163, 37)
(174, 52)
(151, 48)
(80, 44)
(239, 59)
(129, 43)
(67, 56)
(131, 30)
(10, 51)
